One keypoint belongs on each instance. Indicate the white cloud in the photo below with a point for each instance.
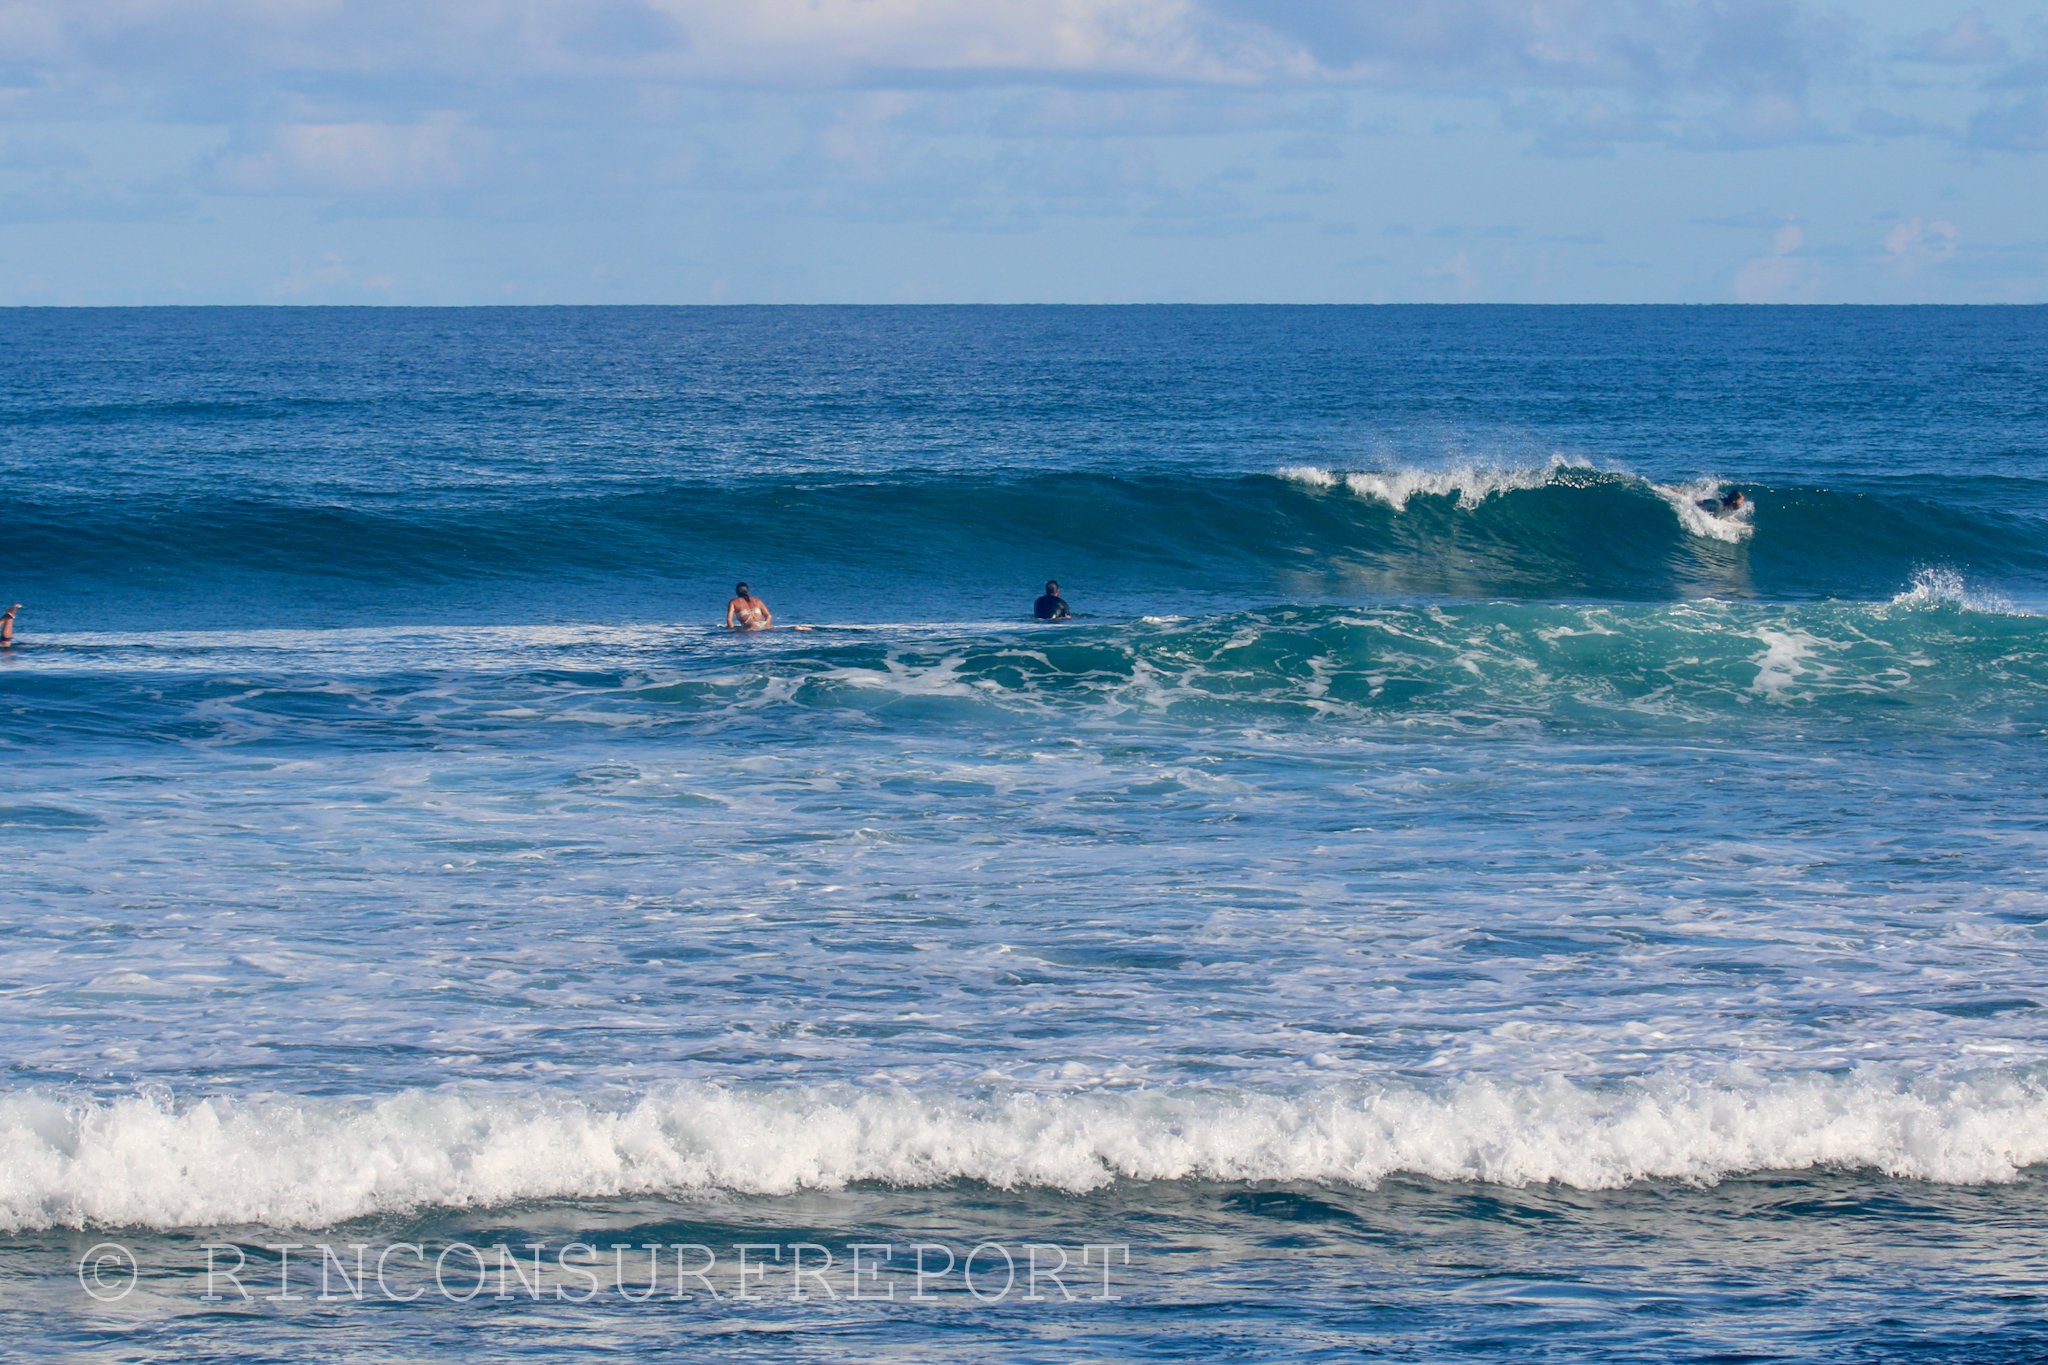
(1916, 244)
(1657, 46)
(1689, 73)
(1776, 279)
(1782, 276)
(352, 158)
(329, 275)
(776, 43)
(1762, 120)
(728, 130)
(1458, 270)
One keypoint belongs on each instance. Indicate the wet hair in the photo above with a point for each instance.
(1733, 498)
(1052, 588)
(741, 590)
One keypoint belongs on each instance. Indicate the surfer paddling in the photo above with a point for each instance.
(747, 612)
(1730, 502)
(7, 627)
(1052, 606)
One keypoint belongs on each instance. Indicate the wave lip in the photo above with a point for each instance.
(1470, 487)
(278, 1162)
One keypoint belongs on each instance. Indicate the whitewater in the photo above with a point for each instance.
(1453, 893)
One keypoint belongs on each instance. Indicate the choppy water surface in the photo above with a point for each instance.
(1449, 897)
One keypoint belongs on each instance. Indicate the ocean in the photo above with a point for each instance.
(1448, 896)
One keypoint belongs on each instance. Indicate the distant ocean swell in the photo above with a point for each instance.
(1549, 531)
(1938, 655)
(147, 1162)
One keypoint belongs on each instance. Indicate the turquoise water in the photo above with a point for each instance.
(1447, 897)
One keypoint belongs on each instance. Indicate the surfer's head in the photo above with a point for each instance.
(740, 590)
(1733, 500)
(1052, 589)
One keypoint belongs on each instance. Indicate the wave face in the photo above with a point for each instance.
(972, 546)
(138, 1163)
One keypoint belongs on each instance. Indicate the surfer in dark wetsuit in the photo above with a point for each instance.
(1052, 606)
(1731, 501)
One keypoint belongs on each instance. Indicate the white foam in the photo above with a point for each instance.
(143, 1162)
(1787, 660)
(1946, 588)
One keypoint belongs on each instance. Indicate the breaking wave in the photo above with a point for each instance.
(1545, 532)
(147, 1162)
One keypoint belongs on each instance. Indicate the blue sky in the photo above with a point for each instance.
(683, 151)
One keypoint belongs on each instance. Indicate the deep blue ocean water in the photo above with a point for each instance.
(1448, 896)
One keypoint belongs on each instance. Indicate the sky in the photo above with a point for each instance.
(995, 151)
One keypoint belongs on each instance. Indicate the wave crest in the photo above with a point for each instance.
(1470, 487)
